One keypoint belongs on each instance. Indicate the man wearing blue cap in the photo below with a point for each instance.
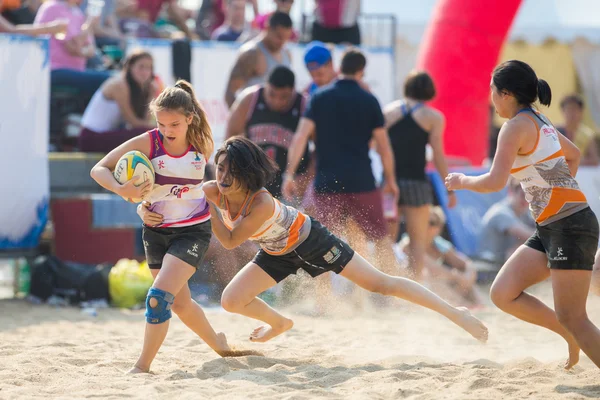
(319, 63)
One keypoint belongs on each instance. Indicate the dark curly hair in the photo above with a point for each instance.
(248, 163)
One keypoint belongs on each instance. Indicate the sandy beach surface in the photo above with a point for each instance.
(400, 352)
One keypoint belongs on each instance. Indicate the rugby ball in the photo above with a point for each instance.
(132, 164)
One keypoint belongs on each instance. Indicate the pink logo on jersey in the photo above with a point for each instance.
(178, 191)
(548, 131)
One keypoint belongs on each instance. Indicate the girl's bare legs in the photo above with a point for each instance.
(172, 276)
(361, 272)
(523, 269)
(240, 297)
(571, 289)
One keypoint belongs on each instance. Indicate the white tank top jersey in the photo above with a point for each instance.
(550, 190)
(101, 114)
(282, 233)
(177, 193)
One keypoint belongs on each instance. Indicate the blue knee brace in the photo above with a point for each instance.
(162, 311)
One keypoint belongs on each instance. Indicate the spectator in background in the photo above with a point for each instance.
(319, 62)
(505, 226)
(58, 26)
(268, 115)
(444, 264)
(576, 131)
(412, 125)
(336, 21)
(69, 54)
(106, 31)
(235, 22)
(119, 109)
(212, 15)
(16, 13)
(139, 16)
(261, 22)
(259, 57)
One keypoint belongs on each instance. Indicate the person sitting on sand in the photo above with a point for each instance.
(444, 265)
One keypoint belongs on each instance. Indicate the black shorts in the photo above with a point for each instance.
(569, 243)
(415, 193)
(189, 243)
(337, 36)
(319, 253)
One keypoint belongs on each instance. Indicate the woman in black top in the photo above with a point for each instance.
(412, 125)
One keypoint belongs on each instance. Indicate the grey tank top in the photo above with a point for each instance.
(271, 64)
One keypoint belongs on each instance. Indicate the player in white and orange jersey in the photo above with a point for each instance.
(566, 238)
(241, 209)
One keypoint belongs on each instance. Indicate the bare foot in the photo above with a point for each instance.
(222, 345)
(471, 324)
(266, 332)
(574, 350)
(224, 350)
(137, 370)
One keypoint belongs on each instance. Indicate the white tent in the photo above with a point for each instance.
(537, 20)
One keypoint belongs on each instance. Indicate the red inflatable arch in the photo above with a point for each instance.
(460, 50)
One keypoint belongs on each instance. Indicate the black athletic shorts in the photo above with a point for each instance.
(321, 252)
(189, 243)
(415, 193)
(337, 36)
(569, 243)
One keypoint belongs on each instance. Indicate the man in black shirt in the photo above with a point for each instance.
(344, 118)
(268, 115)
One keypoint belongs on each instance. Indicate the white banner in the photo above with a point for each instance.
(24, 126)
(211, 65)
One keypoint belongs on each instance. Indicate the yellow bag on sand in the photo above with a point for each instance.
(128, 283)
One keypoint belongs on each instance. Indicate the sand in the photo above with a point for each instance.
(402, 352)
